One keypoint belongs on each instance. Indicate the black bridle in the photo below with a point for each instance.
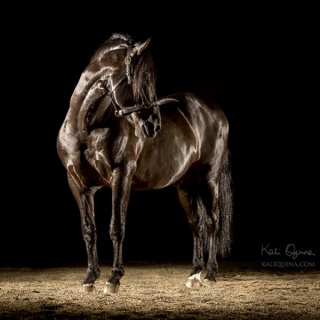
(119, 112)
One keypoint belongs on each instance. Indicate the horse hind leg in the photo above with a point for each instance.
(201, 207)
(191, 207)
(211, 226)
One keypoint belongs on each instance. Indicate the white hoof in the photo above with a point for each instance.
(193, 283)
(111, 288)
(87, 288)
(208, 283)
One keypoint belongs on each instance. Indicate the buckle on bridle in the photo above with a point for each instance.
(127, 60)
(118, 113)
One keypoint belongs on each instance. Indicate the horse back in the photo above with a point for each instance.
(202, 122)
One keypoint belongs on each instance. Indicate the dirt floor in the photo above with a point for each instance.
(158, 291)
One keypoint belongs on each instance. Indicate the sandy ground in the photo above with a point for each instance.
(158, 291)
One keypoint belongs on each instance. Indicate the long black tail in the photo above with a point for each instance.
(225, 208)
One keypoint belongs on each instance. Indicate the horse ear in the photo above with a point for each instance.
(139, 47)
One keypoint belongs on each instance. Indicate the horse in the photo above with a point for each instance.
(118, 134)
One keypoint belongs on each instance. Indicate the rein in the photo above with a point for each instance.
(118, 111)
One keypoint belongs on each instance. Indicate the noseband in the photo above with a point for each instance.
(118, 111)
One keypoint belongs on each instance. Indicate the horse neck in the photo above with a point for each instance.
(84, 101)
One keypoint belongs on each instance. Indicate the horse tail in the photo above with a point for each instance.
(225, 213)
(225, 203)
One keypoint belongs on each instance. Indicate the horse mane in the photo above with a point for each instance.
(144, 77)
(114, 42)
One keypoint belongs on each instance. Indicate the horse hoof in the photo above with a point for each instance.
(208, 283)
(193, 283)
(87, 288)
(111, 288)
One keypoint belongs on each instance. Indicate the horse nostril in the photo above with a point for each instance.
(158, 127)
(150, 127)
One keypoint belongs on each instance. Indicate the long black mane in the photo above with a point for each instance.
(143, 68)
(142, 72)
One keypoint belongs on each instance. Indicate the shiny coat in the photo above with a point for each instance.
(118, 134)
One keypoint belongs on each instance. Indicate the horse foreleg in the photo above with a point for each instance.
(120, 200)
(85, 203)
(89, 234)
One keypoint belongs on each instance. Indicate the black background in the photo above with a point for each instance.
(259, 63)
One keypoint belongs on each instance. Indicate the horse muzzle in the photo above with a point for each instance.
(150, 129)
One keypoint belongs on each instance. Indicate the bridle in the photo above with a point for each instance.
(118, 110)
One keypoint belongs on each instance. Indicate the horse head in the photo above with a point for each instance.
(132, 90)
(121, 74)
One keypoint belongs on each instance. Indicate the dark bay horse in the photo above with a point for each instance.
(118, 134)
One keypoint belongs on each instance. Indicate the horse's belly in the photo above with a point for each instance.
(159, 172)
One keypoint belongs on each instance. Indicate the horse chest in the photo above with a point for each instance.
(104, 153)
